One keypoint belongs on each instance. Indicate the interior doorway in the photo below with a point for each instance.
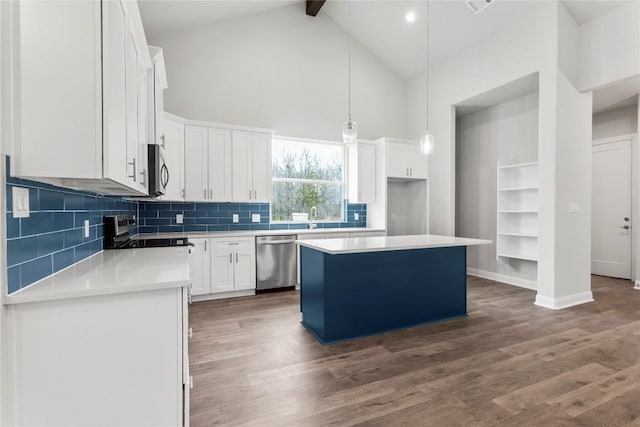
(612, 201)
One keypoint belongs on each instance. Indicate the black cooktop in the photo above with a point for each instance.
(150, 242)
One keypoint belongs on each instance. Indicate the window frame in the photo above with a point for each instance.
(343, 183)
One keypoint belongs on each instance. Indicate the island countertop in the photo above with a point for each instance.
(112, 272)
(388, 243)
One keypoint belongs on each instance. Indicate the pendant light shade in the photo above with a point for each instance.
(427, 141)
(350, 131)
(350, 128)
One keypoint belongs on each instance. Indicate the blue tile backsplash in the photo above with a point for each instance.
(52, 237)
(160, 217)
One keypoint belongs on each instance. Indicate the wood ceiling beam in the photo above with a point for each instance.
(314, 6)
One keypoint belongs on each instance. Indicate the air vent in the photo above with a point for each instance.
(478, 6)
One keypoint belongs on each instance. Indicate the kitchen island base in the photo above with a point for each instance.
(352, 295)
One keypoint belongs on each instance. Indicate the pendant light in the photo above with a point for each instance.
(427, 141)
(350, 128)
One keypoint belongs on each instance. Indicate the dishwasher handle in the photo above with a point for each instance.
(277, 242)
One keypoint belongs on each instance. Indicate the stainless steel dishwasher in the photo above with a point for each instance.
(276, 262)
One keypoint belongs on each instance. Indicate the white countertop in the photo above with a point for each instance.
(250, 233)
(389, 243)
(112, 272)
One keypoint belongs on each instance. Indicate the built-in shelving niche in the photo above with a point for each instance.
(517, 210)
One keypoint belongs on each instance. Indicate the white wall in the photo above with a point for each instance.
(507, 134)
(283, 70)
(621, 121)
(609, 47)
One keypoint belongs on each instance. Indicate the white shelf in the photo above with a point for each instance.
(517, 209)
(526, 257)
(519, 189)
(530, 235)
(519, 165)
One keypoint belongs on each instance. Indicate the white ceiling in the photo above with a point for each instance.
(379, 24)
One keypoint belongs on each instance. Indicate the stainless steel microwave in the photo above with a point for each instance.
(158, 171)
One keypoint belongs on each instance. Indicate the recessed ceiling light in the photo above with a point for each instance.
(410, 16)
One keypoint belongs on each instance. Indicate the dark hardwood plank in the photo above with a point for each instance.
(509, 363)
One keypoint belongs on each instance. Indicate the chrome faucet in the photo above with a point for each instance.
(313, 217)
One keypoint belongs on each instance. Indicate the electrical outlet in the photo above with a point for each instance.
(236, 218)
(20, 198)
(179, 218)
(86, 228)
(356, 216)
(255, 217)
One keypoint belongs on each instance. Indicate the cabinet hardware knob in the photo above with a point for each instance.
(133, 163)
(205, 193)
(236, 257)
(190, 332)
(230, 258)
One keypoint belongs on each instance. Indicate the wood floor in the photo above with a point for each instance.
(509, 363)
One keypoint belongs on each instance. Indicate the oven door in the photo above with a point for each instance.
(158, 171)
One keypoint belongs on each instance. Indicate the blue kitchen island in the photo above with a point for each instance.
(350, 288)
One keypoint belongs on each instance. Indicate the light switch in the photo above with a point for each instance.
(236, 218)
(86, 228)
(179, 218)
(574, 207)
(356, 216)
(255, 217)
(20, 196)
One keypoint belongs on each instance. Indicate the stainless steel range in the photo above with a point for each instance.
(117, 235)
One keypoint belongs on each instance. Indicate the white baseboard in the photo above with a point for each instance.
(637, 285)
(564, 302)
(221, 295)
(503, 278)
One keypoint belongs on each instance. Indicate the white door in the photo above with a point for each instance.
(199, 267)
(244, 269)
(220, 165)
(366, 173)
(397, 166)
(418, 162)
(611, 210)
(174, 151)
(242, 174)
(222, 263)
(196, 164)
(261, 163)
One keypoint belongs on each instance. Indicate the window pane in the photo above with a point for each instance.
(307, 160)
(291, 198)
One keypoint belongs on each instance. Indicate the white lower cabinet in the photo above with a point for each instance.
(220, 265)
(116, 360)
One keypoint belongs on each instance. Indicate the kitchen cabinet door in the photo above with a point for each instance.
(245, 264)
(418, 163)
(261, 162)
(362, 173)
(220, 165)
(131, 85)
(196, 163)
(143, 131)
(115, 95)
(199, 264)
(242, 158)
(174, 151)
(397, 155)
(222, 266)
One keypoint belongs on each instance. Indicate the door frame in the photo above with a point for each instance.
(635, 200)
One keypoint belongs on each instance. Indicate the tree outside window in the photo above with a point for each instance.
(307, 174)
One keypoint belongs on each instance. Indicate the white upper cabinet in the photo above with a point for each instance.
(219, 165)
(196, 163)
(405, 160)
(172, 132)
(157, 85)
(251, 167)
(361, 172)
(78, 67)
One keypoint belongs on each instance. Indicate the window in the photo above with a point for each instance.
(306, 174)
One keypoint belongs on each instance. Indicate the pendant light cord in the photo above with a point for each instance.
(427, 69)
(349, 60)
